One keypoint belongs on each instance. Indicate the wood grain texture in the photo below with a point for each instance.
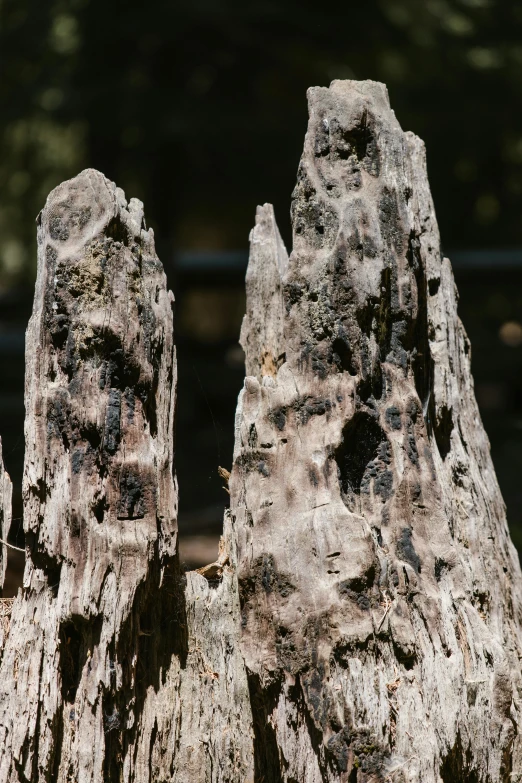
(381, 594)
(117, 667)
(362, 621)
(99, 495)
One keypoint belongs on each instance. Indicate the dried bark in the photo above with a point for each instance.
(381, 594)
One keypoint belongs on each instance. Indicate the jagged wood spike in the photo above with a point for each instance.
(114, 669)
(99, 495)
(262, 330)
(381, 594)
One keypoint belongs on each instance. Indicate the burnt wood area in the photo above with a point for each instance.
(362, 619)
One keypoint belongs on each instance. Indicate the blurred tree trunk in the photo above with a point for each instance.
(362, 621)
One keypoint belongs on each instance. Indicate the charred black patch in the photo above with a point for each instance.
(361, 437)
(313, 357)
(356, 143)
(358, 588)
(390, 221)
(265, 577)
(130, 399)
(338, 748)
(363, 456)
(433, 285)
(312, 406)
(358, 752)
(58, 229)
(59, 330)
(384, 484)
(398, 335)
(77, 637)
(362, 600)
(117, 231)
(371, 386)
(90, 434)
(291, 656)
(312, 217)
(263, 468)
(342, 354)
(292, 293)
(51, 256)
(393, 417)
(132, 496)
(313, 476)
(412, 413)
(278, 418)
(442, 428)
(58, 415)
(77, 460)
(422, 361)
(263, 699)
(457, 765)
(406, 551)
(271, 580)
(411, 450)
(254, 460)
(112, 433)
(252, 433)
(99, 507)
(441, 566)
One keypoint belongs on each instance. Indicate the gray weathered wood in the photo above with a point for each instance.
(112, 670)
(362, 621)
(6, 493)
(381, 595)
(99, 495)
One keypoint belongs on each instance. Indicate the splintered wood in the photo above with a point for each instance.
(381, 594)
(362, 621)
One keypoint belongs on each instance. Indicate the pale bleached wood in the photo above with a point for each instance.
(381, 594)
(362, 622)
(117, 667)
(6, 494)
(99, 495)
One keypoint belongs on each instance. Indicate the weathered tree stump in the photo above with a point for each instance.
(381, 595)
(362, 621)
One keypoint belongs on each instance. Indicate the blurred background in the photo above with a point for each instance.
(199, 109)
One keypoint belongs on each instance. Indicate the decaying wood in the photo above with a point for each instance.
(362, 620)
(6, 492)
(112, 669)
(381, 595)
(99, 495)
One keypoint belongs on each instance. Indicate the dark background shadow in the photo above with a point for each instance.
(199, 109)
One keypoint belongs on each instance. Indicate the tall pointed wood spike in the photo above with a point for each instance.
(262, 330)
(381, 595)
(100, 500)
